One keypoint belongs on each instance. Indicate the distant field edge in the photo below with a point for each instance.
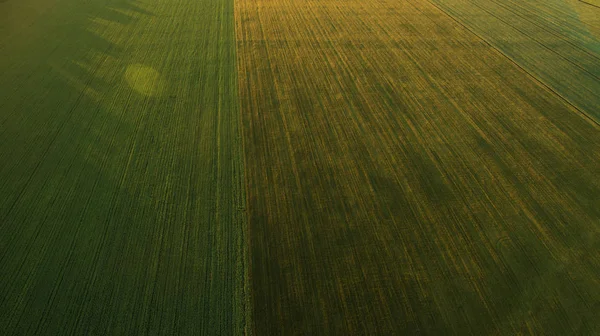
(588, 115)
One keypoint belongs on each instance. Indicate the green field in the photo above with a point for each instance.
(314, 167)
(120, 169)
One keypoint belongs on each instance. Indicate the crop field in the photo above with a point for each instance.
(404, 176)
(312, 167)
(557, 41)
(120, 170)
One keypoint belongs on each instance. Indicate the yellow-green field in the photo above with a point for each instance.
(313, 167)
(404, 177)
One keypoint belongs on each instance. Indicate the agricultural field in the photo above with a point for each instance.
(405, 176)
(313, 167)
(120, 169)
(556, 41)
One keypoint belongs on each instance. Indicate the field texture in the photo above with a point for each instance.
(120, 169)
(557, 41)
(404, 176)
(299, 167)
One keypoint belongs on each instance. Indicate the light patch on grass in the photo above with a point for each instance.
(101, 22)
(144, 80)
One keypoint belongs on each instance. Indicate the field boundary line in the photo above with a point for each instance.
(584, 114)
(591, 4)
(247, 300)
